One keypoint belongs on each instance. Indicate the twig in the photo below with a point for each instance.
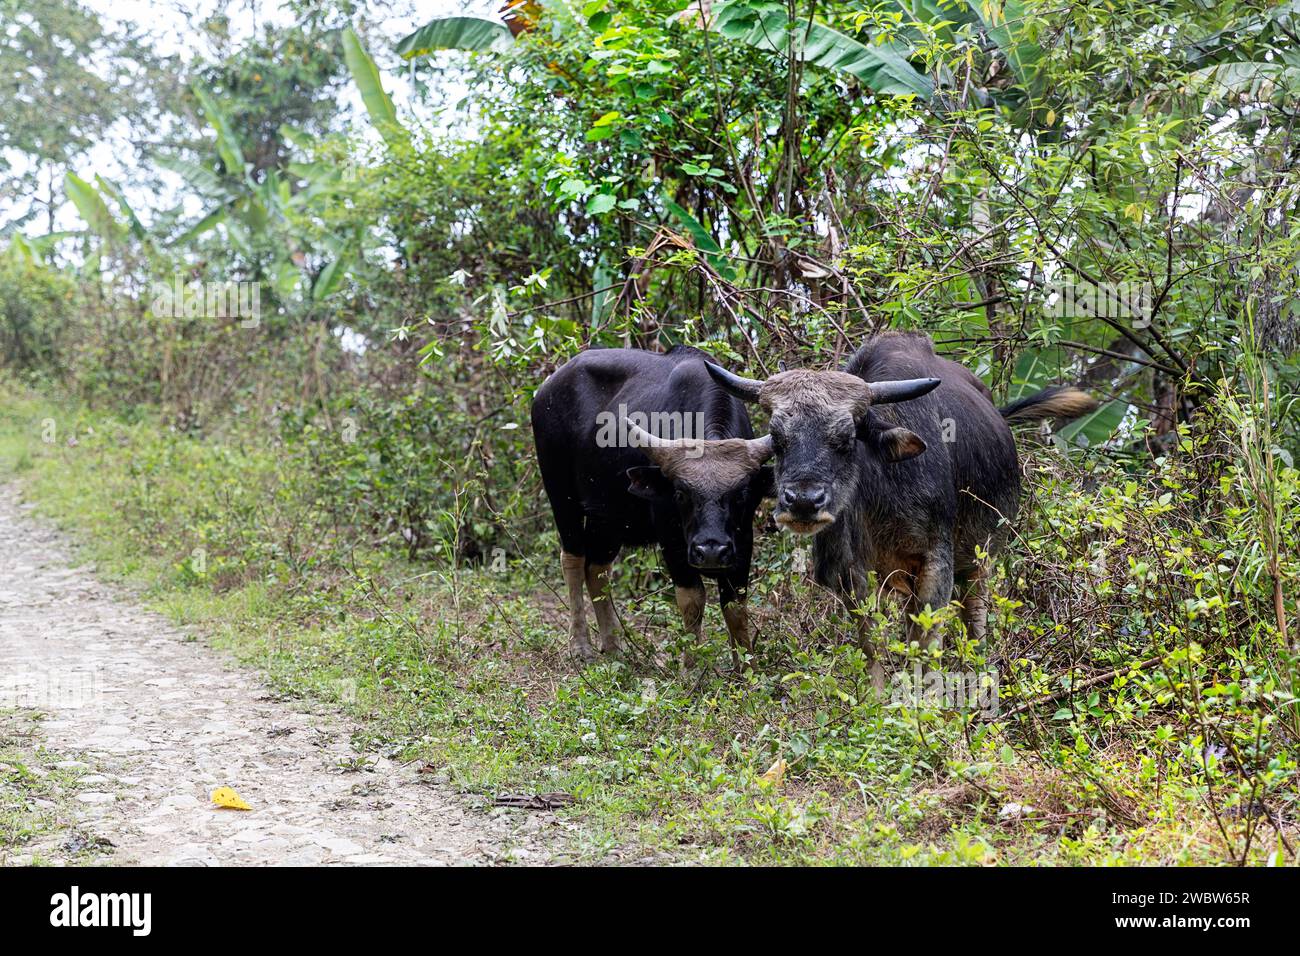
(1082, 685)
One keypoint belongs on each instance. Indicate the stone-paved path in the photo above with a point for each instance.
(160, 720)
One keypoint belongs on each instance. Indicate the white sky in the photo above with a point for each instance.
(167, 25)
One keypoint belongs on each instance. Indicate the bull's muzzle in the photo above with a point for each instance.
(801, 508)
(711, 555)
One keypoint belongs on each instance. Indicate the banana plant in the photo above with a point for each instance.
(379, 105)
(101, 224)
(1254, 57)
(764, 25)
(228, 146)
(247, 209)
(92, 208)
(36, 250)
(1005, 22)
(884, 67)
(1248, 39)
(475, 33)
(453, 33)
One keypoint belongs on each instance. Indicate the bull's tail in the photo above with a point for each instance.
(1059, 401)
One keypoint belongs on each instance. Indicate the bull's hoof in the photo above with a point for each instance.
(611, 646)
(582, 650)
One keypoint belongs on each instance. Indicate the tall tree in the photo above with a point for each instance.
(65, 79)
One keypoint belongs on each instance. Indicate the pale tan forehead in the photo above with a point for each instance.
(712, 465)
(803, 390)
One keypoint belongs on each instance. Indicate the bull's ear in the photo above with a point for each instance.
(897, 444)
(647, 481)
(764, 483)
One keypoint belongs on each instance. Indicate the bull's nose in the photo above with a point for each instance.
(711, 554)
(808, 499)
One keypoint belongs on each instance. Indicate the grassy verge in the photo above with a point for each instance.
(791, 759)
(38, 824)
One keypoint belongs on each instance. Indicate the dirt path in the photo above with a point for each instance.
(150, 722)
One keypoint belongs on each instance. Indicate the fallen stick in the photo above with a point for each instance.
(1082, 685)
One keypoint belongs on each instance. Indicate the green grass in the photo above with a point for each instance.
(465, 669)
(38, 823)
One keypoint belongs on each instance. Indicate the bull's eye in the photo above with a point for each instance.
(841, 437)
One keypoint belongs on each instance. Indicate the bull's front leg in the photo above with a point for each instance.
(574, 566)
(974, 593)
(861, 599)
(690, 604)
(688, 589)
(732, 591)
(840, 563)
(932, 589)
(602, 602)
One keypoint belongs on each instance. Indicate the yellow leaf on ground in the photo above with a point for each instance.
(775, 773)
(228, 799)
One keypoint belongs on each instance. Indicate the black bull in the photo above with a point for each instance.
(612, 484)
(902, 465)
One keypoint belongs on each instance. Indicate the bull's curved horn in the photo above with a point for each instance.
(883, 393)
(654, 446)
(745, 389)
(761, 449)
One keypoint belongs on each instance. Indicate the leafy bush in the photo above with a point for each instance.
(38, 309)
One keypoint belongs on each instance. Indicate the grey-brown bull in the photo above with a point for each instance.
(900, 464)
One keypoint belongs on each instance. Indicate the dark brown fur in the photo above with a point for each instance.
(914, 491)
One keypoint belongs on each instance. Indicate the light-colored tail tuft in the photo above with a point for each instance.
(1059, 401)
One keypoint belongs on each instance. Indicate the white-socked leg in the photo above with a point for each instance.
(579, 642)
(690, 602)
(736, 614)
(602, 601)
(975, 605)
(933, 590)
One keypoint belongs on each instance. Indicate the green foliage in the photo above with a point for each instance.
(62, 47)
(432, 473)
(279, 76)
(228, 148)
(772, 183)
(452, 33)
(882, 67)
(36, 306)
(457, 662)
(366, 76)
(90, 204)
